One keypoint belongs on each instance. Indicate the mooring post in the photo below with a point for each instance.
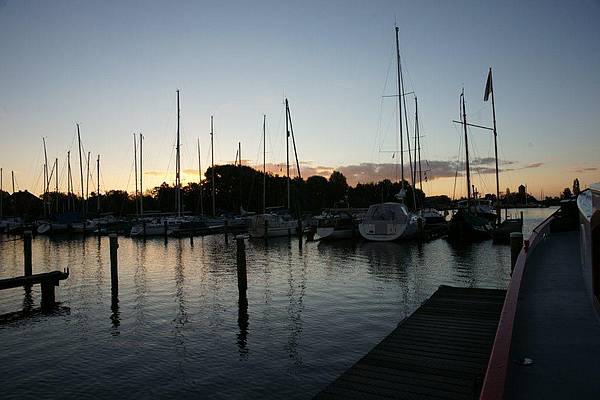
(166, 228)
(420, 228)
(226, 228)
(27, 253)
(191, 239)
(144, 228)
(114, 266)
(48, 296)
(241, 267)
(516, 243)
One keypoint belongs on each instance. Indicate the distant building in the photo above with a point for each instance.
(522, 191)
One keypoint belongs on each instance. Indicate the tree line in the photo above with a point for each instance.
(241, 187)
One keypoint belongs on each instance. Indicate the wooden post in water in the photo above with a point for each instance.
(27, 253)
(241, 268)
(166, 228)
(48, 295)
(226, 229)
(114, 265)
(516, 243)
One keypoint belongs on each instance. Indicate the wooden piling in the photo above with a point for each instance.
(226, 229)
(27, 253)
(114, 266)
(166, 229)
(516, 243)
(48, 295)
(241, 267)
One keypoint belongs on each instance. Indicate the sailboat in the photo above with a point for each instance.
(467, 223)
(163, 226)
(275, 221)
(385, 222)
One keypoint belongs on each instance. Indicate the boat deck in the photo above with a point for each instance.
(555, 326)
(440, 352)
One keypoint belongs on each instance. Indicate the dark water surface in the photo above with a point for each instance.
(177, 330)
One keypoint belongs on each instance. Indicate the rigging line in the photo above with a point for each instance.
(165, 177)
(379, 130)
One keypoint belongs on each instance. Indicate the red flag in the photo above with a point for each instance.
(488, 86)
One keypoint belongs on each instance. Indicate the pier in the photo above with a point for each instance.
(441, 351)
(48, 281)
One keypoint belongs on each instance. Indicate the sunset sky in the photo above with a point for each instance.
(114, 67)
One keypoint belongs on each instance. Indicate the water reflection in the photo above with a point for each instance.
(242, 336)
(115, 316)
(178, 328)
(295, 308)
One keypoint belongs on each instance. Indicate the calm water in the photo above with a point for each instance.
(177, 330)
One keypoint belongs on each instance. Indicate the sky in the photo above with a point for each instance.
(114, 68)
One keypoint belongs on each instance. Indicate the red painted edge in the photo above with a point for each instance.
(495, 376)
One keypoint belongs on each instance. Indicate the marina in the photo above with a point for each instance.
(311, 200)
(178, 320)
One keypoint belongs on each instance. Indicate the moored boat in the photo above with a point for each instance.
(335, 224)
(386, 222)
(546, 345)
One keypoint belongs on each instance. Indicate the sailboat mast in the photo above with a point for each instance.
(69, 179)
(80, 164)
(264, 193)
(87, 182)
(287, 151)
(400, 96)
(98, 183)
(498, 214)
(200, 178)
(46, 177)
(418, 143)
(212, 161)
(294, 143)
(135, 167)
(141, 176)
(241, 173)
(13, 181)
(464, 115)
(56, 189)
(178, 165)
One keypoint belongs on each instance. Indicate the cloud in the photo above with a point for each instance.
(491, 161)
(582, 170)
(534, 165)
(155, 173)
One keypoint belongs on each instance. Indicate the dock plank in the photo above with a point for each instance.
(439, 352)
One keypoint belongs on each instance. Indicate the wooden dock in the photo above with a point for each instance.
(440, 352)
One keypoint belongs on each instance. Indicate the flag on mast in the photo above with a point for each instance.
(488, 86)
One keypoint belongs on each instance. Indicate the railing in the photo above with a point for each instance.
(495, 377)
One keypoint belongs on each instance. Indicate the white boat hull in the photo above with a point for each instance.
(150, 229)
(330, 233)
(280, 231)
(381, 231)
